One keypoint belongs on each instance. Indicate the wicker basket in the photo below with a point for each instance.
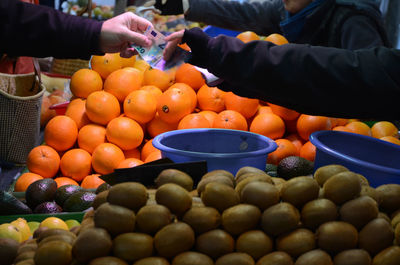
(68, 66)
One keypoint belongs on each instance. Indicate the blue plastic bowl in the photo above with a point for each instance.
(377, 160)
(213, 31)
(221, 148)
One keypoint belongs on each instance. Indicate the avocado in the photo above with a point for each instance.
(10, 205)
(64, 192)
(294, 166)
(48, 207)
(43, 190)
(79, 201)
(103, 187)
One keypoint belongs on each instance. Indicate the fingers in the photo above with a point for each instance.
(170, 49)
(175, 35)
(137, 38)
(141, 23)
(127, 53)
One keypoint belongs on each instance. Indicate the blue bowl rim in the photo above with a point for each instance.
(157, 144)
(319, 145)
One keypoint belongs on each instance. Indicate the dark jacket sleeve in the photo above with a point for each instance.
(40, 31)
(314, 80)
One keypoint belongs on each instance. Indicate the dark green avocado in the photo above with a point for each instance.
(43, 190)
(79, 201)
(294, 166)
(10, 205)
(64, 192)
(48, 207)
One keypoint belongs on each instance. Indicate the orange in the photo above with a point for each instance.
(76, 164)
(92, 181)
(341, 122)
(141, 65)
(247, 36)
(147, 149)
(25, 180)
(210, 98)
(245, 106)
(125, 133)
(132, 153)
(44, 161)
(188, 74)
(173, 105)
(194, 120)
(285, 148)
(307, 124)
(140, 105)
(61, 133)
(296, 140)
(106, 64)
(334, 122)
(308, 151)
(184, 46)
(276, 38)
(128, 62)
(90, 136)
(102, 107)
(157, 126)
(61, 181)
(384, 128)
(85, 81)
(130, 162)
(122, 82)
(153, 156)
(186, 89)
(230, 119)
(269, 125)
(263, 109)
(158, 78)
(390, 139)
(76, 110)
(209, 115)
(359, 127)
(341, 128)
(153, 90)
(106, 157)
(284, 113)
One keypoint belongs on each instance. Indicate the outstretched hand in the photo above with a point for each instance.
(173, 40)
(120, 32)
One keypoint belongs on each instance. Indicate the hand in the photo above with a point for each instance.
(167, 7)
(173, 40)
(118, 34)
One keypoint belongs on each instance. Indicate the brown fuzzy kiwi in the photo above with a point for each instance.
(151, 218)
(314, 257)
(390, 195)
(371, 192)
(25, 262)
(174, 197)
(115, 219)
(192, 258)
(296, 242)
(255, 177)
(342, 187)
(240, 218)
(152, 261)
(359, 211)
(323, 173)
(54, 252)
(255, 243)
(219, 172)
(363, 180)
(219, 196)
(85, 224)
(132, 246)
(132, 195)
(376, 236)
(100, 199)
(173, 239)
(65, 238)
(300, 190)
(23, 247)
(215, 243)
(39, 231)
(260, 194)
(52, 232)
(388, 256)
(92, 243)
(397, 234)
(278, 181)
(395, 219)
(108, 261)
(235, 258)
(317, 212)
(24, 256)
(216, 178)
(353, 257)
(336, 236)
(176, 176)
(202, 219)
(276, 258)
(247, 169)
(280, 218)
(252, 174)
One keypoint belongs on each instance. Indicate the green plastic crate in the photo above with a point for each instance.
(78, 216)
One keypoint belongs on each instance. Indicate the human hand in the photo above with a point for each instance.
(167, 7)
(173, 40)
(120, 32)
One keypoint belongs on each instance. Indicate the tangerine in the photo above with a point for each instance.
(245, 106)
(106, 64)
(106, 157)
(153, 90)
(284, 113)
(210, 98)
(92, 181)
(61, 133)
(285, 148)
(390, 139)
(140, 105)
(307, 124)
(76, 164)
(158, 78)
(230, 119)
(263, 109)
(359, 127)
(384, 128)
(102, 107)
(186, 89)
(209, 115)
(147, 149)
(128, 62)
(308, 151)
(132, 153)
(173, 105)
(76, 110)
(341, 128)
(125, 133)
(247, 36)
(155, 155)
(141, 65)
(269, 125)
(61, 181)
(122, 82)
(188, 74)
(130, 162)
(157, 126)
(276, 38)
(90, 136)
(194, 120)
(85, 81)
(296, 140)
(25, 180)
(44, 161)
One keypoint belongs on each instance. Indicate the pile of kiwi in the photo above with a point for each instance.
(330, 218)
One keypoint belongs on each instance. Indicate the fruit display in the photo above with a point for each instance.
(330, 217)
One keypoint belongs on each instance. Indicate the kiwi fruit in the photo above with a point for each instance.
(102, 187)
(278, 181)
(315, 257)
(152, 261)
(260, 194)
(108, 261)
(336, 236)
(388, 256)
(359, 211)
(202, 219)
(151, 218)
(323, 173)
(390, 197)
(24, 256)
(174, 197)
(276, 258)
(255, 243)
(86, 224)
(192, 258)
(235, 258)
(371, 192)
(240, 218)
(22, 248)
(296, 242)
(54, 252)
(353, 257)
(397, 234)
(40, 230)
(300, 190)
(25, 262)
(173, 239)
(247, 169)
(132, 246)
(100, 199)
(131, 195)
(219, 196)
(90, 244)
(376, 236)
(280, 218)
(215, 243)
(70, 239)
(52, 232)
(252, 174)
(254, 177)
(342, 187)
(174, 176)
(219, 172)
(384, 216)
(395, 220)
(216, 178)
(115, 219)
(317, 212)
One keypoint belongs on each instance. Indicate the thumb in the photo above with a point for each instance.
(136, 38)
